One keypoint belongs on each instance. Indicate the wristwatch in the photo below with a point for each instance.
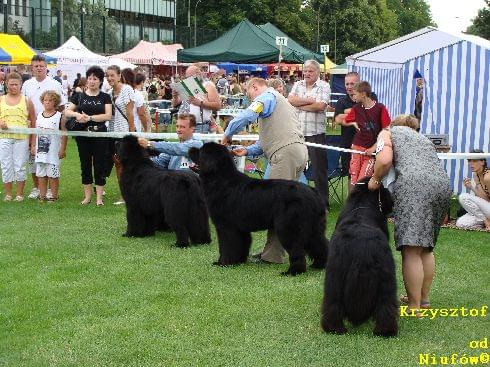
(90, 119)
(148, 145)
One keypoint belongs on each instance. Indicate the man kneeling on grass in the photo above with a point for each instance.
(174, 155)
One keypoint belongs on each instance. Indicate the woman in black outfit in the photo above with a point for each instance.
(92, 107)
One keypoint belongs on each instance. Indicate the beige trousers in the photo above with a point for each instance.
(287, 163)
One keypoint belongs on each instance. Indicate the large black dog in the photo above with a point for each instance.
(160, 200)
(239, 205)
(360, 280)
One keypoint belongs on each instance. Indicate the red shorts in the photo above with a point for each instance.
(360, 165)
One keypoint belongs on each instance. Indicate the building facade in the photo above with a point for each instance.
(126, 20)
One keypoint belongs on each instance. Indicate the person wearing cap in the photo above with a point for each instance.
(477, 202)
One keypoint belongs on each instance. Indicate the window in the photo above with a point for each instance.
(24, 8)
(17, 7)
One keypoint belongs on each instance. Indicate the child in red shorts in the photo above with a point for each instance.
(369, 118)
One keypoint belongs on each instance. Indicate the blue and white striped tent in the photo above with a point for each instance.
(456, 72)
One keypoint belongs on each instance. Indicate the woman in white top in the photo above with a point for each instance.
(139, 111)
(477, 202)
(123, 116)
(141, 102)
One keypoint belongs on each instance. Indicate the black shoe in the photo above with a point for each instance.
(257, 259)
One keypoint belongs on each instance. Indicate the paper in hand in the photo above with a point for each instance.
(189, 87)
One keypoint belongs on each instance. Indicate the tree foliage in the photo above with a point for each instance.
(93, 24)
(411, 15)
(357, 24)
(481, 23)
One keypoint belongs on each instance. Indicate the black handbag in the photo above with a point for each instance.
(71, 124)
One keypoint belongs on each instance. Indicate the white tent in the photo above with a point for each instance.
(73, 57)
(74, 52)
(456, 73)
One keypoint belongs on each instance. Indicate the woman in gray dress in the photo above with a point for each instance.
(421, 194)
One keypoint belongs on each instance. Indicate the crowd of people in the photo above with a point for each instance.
(288, 116)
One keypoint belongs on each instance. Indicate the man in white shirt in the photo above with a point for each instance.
(32, 89)
(201, 106)
(310, 97)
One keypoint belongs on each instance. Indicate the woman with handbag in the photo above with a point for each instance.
(91, 108)
(123, 116)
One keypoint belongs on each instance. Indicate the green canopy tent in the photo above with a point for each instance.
(273, 31)
(244, 43)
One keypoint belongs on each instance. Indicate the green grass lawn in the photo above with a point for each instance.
(73, 292)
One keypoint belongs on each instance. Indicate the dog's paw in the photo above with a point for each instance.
(339, 330)
(317, 266)
(291, 273)
(181, 245)
(294, 270)
(386, 333)
(218, 263)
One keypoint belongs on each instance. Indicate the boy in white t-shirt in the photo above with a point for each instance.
(49, 149)
(32, 89)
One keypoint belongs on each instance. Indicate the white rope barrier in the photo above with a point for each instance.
(205, 137)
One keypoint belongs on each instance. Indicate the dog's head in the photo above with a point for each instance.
(362, 196)
(212, 159)
(128, 150)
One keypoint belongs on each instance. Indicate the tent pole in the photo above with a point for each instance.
(279, 63)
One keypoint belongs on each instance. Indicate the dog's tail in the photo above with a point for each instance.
(361, 288)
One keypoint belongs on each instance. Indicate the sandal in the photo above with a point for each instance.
(52, 200)
(404, 300)
(7, 198)
(424, 304)
(19, 198)
(83, 202)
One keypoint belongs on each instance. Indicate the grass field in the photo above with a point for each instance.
(73, 292)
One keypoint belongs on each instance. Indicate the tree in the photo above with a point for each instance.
(481, 23)
(14, 27)
(93, 24)
(411, 15)
(357, 24)
(221, 15)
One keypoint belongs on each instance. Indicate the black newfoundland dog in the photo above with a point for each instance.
(239, 205)
(360, 279)
(160, 200)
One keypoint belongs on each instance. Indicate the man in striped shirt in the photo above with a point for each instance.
(310, 97)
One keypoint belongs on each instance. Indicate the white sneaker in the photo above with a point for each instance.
(34, 193)
(49, 195)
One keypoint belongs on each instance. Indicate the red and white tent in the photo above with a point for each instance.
(151, 53)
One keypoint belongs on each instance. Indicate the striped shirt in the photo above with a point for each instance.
(313, 122)
(119, 123)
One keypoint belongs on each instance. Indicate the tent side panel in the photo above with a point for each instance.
(456, 100)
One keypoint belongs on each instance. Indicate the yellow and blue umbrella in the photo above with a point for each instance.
(13, 50)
